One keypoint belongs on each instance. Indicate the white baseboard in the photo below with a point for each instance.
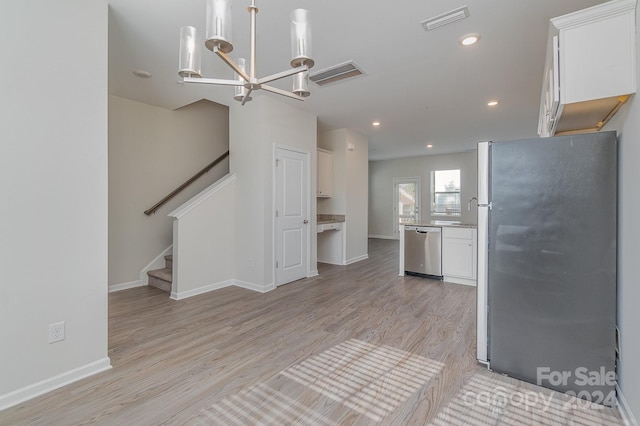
(313, 273)
(464, 281)
(357, 259)
(200, 290)
(383, 237)
(330, 263)
(157, 263)
(126, 286)
(28, 392)
(625, 410)
(217, 286)
(255, 287)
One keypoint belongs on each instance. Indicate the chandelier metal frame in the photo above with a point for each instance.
(246, 82)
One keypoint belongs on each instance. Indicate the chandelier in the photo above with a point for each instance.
(218, 40)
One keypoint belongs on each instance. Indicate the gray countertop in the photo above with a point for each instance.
(330, 218)
(443, 224)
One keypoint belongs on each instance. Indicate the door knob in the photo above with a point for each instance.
(305, 221)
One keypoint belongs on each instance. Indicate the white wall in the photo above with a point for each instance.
(350, 188)
(53, 187)
(152, 151)
(627, 123)
(382, 173)
(203, 241)
(254, 130)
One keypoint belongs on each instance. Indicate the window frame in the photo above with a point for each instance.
(432, 202)
(418, 209)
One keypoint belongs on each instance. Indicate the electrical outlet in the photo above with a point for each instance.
(56, 332)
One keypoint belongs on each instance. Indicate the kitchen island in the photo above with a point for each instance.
(459, 251)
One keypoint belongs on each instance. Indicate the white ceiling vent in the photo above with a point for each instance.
(445, 18)
(337, 73)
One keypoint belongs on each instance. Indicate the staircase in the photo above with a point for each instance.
(161, 278)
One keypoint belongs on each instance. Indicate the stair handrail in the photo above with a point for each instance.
(179, 189)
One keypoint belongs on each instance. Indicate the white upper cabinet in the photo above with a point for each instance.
(325, 173)
(590, 68)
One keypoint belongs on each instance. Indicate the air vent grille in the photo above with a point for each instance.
(445, 18)
(337, 73)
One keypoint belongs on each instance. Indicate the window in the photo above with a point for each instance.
(445, 193)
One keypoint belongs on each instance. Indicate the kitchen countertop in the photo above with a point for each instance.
(330, 218)
(442, 224)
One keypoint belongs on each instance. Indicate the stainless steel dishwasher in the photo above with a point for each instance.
(423, 250)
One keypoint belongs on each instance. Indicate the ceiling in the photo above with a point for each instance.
(423, 87)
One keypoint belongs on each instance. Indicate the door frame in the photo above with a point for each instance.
(396, 215)
(307, 154)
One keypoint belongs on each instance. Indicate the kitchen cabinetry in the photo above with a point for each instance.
(331, 243)
(325, 173)
(459, 255)
(590, 68)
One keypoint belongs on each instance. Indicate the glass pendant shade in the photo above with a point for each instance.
(219, 25)
(217, 38)
(190, 58)
(301, 84)
(301, 39)
(241, 91)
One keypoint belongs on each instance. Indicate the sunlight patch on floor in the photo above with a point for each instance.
(260, 405)
(372, 380)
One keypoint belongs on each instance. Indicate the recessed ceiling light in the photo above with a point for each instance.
(142, 73)
(469, 39)
(376, 123)
(492, 103)
(429, 146)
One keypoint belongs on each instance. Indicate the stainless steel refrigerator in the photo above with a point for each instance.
(547, 262)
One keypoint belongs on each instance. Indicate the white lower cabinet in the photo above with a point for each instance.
(331, 243)
(459, 255)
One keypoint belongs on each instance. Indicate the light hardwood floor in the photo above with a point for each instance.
(355, 345)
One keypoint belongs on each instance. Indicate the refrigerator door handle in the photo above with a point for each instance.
(490, 205)
(483, 173)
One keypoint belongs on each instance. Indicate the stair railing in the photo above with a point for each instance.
(179, 189)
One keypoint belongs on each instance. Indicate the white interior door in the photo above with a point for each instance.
(406, 203)
(292, 217)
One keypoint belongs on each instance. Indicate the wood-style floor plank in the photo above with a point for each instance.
(355, 345)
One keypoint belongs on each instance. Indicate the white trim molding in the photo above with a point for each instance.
(203, 195)
(157, 263)
(625, 409)
(28, 392)
(458, 280)
(125, 286)
(254, 287)
(357, 259)
(217, 286)
(313, 273)
(200, 290)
